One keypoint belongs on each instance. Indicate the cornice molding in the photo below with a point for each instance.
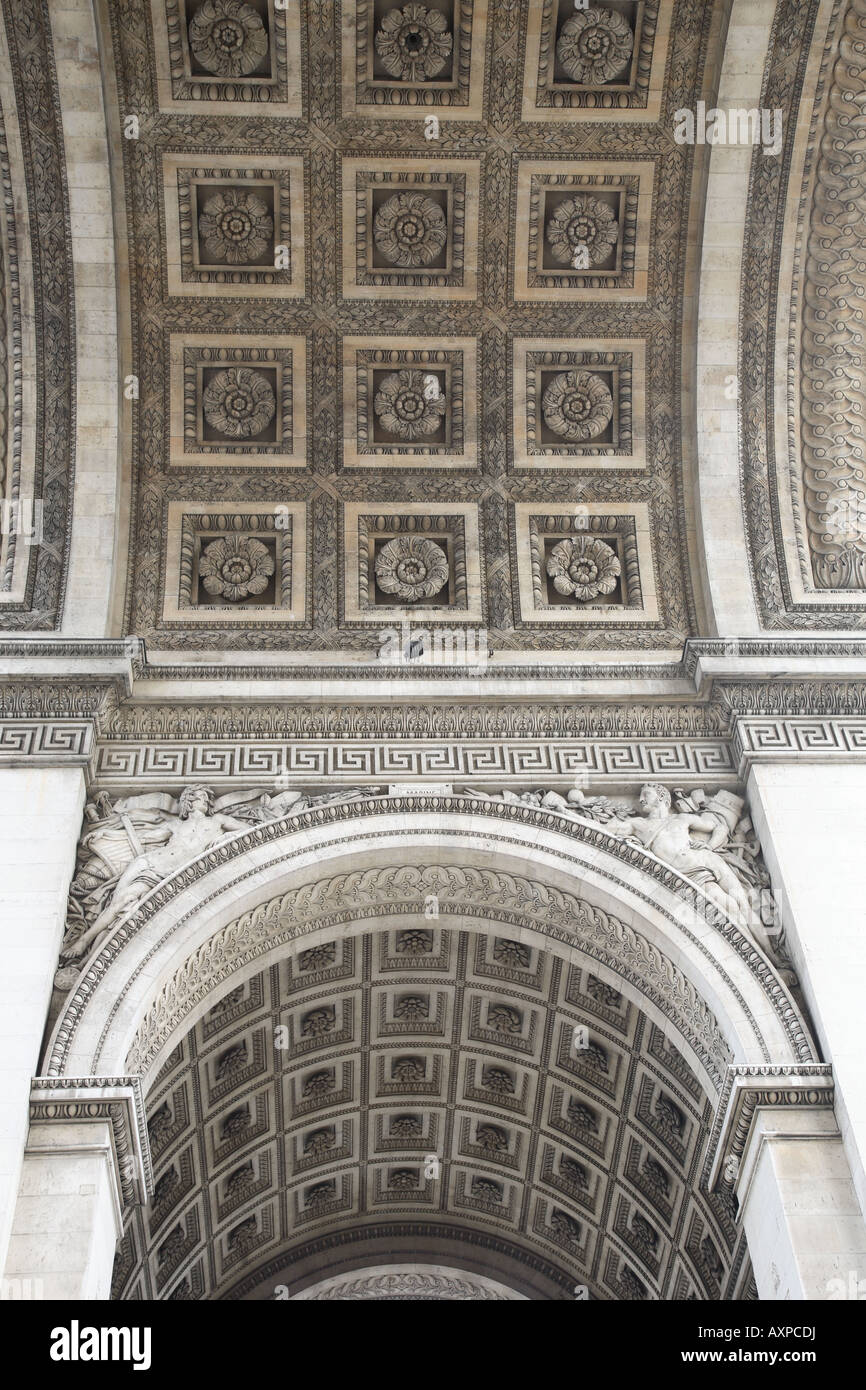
(806, 739)
(106, 707)
(47, 743)
(748, 1089)
(117, 1099)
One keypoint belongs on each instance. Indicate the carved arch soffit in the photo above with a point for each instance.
(800, 369)
(38, 353)
(396, 885)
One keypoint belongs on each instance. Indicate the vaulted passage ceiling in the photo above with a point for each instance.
(449, 1097)
(407, 288)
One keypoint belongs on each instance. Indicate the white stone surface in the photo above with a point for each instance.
(100, 519)
(67, 1218)
(40, 820)
(723, 536)
(811, 819)
(802, 1219)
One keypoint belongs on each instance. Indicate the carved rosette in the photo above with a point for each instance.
(228, 38)
(406, 405)
(239, 402)
(234, 567)
(236, 227)
(414, 43)
(410, 229)
(411, 567)
(595, 46)
(582, 222)
(577, 405)
(585, 567)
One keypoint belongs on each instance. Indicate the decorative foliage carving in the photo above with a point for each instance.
(235, 227)
(492, 1139)
(407, 1127)
(406, 405)
(235, 567)
(498, 1080)
(414, 43)
(503, 1019)
(582, 1116)
(579, 223)
(411, 567)
(574, 1173)
(656, 1177)
(318, 1083)
(566, 1227)
(412, 1007)
(577, 405)
(513, 953)
(410, 229)
(410, 1287)
(832, 374)
(595, 46)
(415, 941)
(228, 38)
(404, 1179)
(318, 957)
(321, 1141)
(585, 567)
(603, 993)
(239, 402)
(32, 93)
(236, 1122)
(318, 1022)
(408, 1069)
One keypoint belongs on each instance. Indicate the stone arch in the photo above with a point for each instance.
(703, 999)
(335, 860)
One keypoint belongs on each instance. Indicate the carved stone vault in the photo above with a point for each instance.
(412, 311)
(292, 1126)
(426, 1001)
(452, 966)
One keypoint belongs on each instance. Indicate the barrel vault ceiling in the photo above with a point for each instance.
(292, 1130)
(407, 288)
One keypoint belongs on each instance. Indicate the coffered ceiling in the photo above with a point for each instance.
(461, 1097)
(407, 289)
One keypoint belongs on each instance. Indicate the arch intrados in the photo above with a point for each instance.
(675, 1028)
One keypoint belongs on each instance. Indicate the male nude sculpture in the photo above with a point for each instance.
(195, 830)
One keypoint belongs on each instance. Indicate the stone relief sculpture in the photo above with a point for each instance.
(132, 844)
(414, 43)
(228, 38)
(707, 838)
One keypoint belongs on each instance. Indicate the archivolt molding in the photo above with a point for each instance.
(580, 849)
(530, 1273)
(421, 1284)
(485, 896)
